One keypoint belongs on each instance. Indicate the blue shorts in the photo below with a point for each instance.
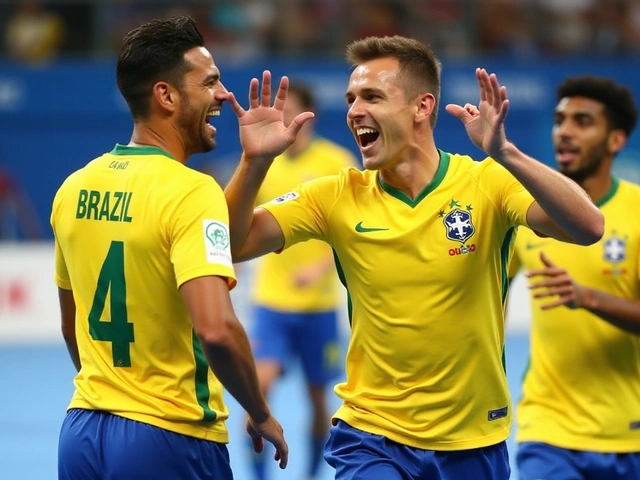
(357, 455)
(95, 444)
(313, 337)
(540, 460)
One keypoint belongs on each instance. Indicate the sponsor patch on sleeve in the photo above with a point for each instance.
(286, 197)
(216, 242)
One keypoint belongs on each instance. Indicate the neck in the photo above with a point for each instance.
(598, 184)
(167, 138)
(412, 176)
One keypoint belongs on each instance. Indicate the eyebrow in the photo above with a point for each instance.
(365, 91)
(210, 77)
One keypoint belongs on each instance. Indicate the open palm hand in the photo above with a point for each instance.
(485, 123)
(263, 134)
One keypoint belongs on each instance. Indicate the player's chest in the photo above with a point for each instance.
(446, 232)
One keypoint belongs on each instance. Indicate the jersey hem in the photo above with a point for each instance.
(584, 444)
(182, 428)
(425, 444)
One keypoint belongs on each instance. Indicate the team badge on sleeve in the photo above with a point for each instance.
(286, 197)
(216, 242)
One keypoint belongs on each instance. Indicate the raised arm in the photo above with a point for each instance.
(562, 209)
(263, 136)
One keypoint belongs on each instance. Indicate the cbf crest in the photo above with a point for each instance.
(459, 226)
(614, 252)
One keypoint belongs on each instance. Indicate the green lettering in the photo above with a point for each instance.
(94, 199)
(104, 208)
(126, 217)
(82, 204)
(114, 217)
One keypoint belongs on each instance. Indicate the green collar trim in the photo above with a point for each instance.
(443, 166)
(135, 150)
(609, 195)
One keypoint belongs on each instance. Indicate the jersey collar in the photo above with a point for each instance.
(135, 150)
(609, 195)
(443, 166)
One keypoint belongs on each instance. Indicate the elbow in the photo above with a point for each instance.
(218, 336)
(592, 230)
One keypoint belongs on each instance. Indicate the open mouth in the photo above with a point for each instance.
(209, 117)
(367, 136)
(566, 153)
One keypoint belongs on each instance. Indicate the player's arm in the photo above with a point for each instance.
(68, 316)
(253, 231)
(561, 210)
(228, 353)
(263, 137)
(554, 281)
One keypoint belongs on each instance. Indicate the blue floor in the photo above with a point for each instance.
(37, 386)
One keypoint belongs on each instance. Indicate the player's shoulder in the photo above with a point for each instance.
(628, 190)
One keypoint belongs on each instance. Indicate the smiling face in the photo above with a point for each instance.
(580, 137)
(198, 105)
(381, 119)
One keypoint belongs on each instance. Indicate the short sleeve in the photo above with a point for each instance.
(302, 213)
(199, 234)
(511, 198)
(515, 262)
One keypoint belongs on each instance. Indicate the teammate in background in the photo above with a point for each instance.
(295, 294)
(144, 268)
(422, 240)
(579, 416)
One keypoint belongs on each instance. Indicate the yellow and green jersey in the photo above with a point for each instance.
(427, 282)
(274, 284)
(582, 388)
(130, 228)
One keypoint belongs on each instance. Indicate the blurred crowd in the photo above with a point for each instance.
(246, 29)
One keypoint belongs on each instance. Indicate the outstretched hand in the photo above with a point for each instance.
(263, 134)
(558, 283)
(485, 123)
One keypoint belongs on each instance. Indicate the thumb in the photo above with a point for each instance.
(459, 112)
(298, 122)
(546, 260)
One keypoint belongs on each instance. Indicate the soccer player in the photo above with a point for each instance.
(295, 294)
(579, 416)
(422, 239)
(144, 268)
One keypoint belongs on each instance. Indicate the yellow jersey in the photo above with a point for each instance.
(426, 281)
(582, 388)
(274, 283)
(130, 228)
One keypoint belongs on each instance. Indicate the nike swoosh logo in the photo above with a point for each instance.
(361, 229)
(531, 246)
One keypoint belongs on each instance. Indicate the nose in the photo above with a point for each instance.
(221, 93)
(355, 109)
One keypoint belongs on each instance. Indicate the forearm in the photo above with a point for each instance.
(564, 201)
(621, 312)
(232, 363)
(241, 193)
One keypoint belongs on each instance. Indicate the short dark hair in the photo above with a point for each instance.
(619, 105)
(153, 52)
(303, 92)
(420, 69)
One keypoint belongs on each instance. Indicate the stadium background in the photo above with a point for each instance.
(61, 109)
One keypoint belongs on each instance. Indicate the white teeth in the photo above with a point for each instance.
(213, 113)
(362, 131)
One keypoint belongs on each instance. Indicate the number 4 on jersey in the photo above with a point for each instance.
(118, 331)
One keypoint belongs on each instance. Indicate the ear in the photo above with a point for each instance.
(165, 96)
(616, 141)
(426, 106)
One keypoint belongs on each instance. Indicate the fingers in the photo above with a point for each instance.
(282, 454)
(266, 88)
(254, 84)
(550, 282)
(281, 94)
(457, 111)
